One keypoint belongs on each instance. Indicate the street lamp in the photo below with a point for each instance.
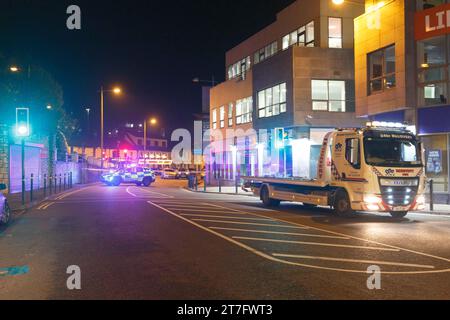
(116, 91)
(14, 69)
(198, 80)
(152, 122)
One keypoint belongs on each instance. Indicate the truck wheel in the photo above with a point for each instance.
(116, 182)
(342, 206)
(6, 214)
(399, 214)
(267, 200)
(147, 182)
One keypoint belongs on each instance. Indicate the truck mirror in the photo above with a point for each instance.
(3, 186)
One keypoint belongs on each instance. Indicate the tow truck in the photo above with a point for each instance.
(378, 168)
(136, 175)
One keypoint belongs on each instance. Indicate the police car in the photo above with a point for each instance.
(136, 175)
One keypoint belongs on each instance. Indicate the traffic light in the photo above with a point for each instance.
(23, 122)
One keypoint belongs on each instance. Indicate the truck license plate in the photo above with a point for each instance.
(400, 209)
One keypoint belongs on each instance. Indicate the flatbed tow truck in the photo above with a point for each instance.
(378, 168)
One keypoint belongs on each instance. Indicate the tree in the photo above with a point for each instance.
(34, 87)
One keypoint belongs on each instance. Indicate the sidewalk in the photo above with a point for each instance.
(439, 209)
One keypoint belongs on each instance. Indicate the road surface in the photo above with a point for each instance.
(165, 242)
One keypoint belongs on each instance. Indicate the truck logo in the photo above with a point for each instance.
(390, 172)
(338, 147)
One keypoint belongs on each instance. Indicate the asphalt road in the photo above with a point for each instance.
(164, 242)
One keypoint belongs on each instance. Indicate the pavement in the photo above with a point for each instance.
(165, 242)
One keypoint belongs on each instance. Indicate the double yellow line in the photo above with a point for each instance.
(44, 205)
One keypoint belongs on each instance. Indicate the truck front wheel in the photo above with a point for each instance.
(267, 200)
(342, 206)
(399, 214)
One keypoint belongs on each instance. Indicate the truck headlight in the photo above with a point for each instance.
(372, 199)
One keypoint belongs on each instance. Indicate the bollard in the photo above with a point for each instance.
(55, 182)
(220, 184)
(45, 185)
(71, 180)
(50, 186)
(31, 188)
(431, 195)
(64, 188)
(60, 182)
(196, 182)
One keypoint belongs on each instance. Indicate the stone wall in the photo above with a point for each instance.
(4, 176)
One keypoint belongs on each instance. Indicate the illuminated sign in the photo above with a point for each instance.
(432, 22)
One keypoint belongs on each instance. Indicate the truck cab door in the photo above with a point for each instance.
(346, 164)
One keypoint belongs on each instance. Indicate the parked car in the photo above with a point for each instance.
(169, 174)
(183, 173)
(5, 211)
(138, 176)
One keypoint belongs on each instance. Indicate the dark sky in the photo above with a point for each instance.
(152, 48)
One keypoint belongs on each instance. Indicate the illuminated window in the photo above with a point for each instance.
(328, 95)
(303, 37)
(272, 101)
(335, 32)
(239, 68)
(244, 111)
(214, 119)
(222, 117)
(381, 70)
(230, 114)
(266, 52)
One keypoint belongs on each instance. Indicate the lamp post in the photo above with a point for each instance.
(153, 122)
(116, 91)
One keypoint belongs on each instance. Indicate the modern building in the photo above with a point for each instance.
(285, 87)
(402, 55)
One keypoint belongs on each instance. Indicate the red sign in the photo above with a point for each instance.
(432, 22)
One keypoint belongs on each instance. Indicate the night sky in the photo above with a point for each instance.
(153, 49)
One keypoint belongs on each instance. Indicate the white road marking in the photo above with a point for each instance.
(398, 264)
(286, 262)
(281, 233)
(211, 211)
(147, 191)
(222, 217)
(349, 236)
(252, 224)
(315, 244)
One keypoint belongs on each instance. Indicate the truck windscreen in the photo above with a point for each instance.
(390, 150)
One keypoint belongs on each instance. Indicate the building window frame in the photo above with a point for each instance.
(318, 103)
(385, 76)
(244, 111)
(214, 119)
(222, 117)
(230, 115)
(239, 68)
(268, 106)
(294, 37)
(341, 31)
